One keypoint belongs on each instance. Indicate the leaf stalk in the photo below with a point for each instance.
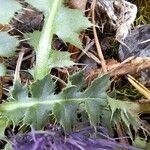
(44, 47)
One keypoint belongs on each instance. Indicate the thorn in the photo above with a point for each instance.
(18, 19)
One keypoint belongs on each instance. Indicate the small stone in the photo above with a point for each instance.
(137, 43)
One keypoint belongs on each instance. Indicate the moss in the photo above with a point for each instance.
(143, 16)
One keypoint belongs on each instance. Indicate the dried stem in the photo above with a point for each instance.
(99, 50)
(17, 75)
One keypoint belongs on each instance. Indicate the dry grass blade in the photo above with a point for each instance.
(141, 88)
(99, 50)
(131, 66)
(18, 66)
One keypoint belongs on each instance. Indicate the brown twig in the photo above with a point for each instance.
(99, 50)
(132, 66)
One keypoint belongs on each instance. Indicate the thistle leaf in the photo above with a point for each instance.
(66, 114)
(41, 89)
(97, 98)
(3, 124)
(57, 58)
(68, 23)
(33, 38)
(60, 59)
(2, 70)
(75, 78)
(7, 10)
(35, 110)
(8, 44)
(38, 115)
(98, 88)
(121, 112)
(41, 5)
(19, 92)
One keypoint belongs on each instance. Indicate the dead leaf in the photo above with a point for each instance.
(78, 4)
(5, 27)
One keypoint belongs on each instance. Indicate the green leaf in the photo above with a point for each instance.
(66, 114)
(121, 112)
(19, 92)
(44, 6)
(94, 99)
(42, 53)
(8, 9)
(35, 110)
(105, 121)
(141, 143)
(41, 89)
(68, 25)
(33, 38)
(8, 146)
(2, 70)
(93, 108)
(76, 77)
(38, 115)
(57, 58)
(68, 22)
(60, 21)
(8, 44)
(116, 105)
(97, 90)
(60, 59)
(14, 114)
(3, 124)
